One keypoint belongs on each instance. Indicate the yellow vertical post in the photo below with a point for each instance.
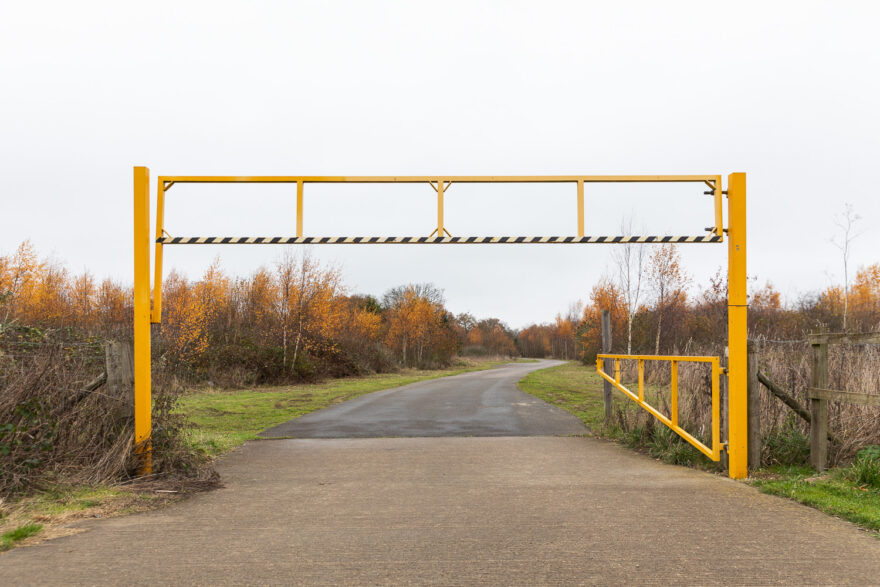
(719, 214)
(673, 394)
(580, 207)
(142, 401)
(440, 228)
(156, 315)
(737, 327)
(617, 370)
(641, 380)
(299, 209)
(716, 408)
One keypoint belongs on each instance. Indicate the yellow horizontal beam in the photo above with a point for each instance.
(692, 359)
(436, 178)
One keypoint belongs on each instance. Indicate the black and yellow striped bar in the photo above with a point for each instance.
(429, 240)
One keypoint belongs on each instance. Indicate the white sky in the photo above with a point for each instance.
(785, 91)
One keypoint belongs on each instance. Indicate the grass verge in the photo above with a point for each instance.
(48, 514)
(225, 419)
(833, 492)
(574, 388)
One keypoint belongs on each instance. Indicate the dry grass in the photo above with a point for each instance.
(850, 367)
(54, 432)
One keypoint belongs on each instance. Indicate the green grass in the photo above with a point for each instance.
(27, 515)
(573, 387)
(226, 419)
(8, 539)
(55, 501)
(833, 493)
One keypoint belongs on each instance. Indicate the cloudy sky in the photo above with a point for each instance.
(787, 92)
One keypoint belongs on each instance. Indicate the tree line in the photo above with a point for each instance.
(654, 310)
(296, 319)
(293, 320)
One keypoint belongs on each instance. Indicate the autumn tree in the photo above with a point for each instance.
(669, 283)
(534, 341)
(184, 327)
(486, 337)
(418, 325)
(308, 305)
(865, 294)
(605, 295)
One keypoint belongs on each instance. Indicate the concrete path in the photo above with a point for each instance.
(482, 403)
(477, 510)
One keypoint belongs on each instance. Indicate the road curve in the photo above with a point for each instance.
(481, 403)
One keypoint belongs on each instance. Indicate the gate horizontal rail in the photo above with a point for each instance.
(713, 452)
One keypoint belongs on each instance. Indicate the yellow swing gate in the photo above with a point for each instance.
(714, 451)
(736, 444)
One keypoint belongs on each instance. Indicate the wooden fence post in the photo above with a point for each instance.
(819, 407)
(119, 364)
(606, 348)
(754, 408)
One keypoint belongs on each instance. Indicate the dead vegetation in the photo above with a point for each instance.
(55, 428)
(850, 367)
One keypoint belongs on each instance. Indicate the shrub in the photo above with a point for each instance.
(53, 430)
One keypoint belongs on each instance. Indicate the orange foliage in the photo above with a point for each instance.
(296, 320)
(765, 299)
(864, 295)
(417, 324)
(605, 295)
(185, 321)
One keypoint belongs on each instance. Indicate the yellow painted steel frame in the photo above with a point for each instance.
(142, 401)
(713, 452)
(737, 328)
(737, 302)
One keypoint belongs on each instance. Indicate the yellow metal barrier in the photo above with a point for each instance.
(735, 234)
(713, 452)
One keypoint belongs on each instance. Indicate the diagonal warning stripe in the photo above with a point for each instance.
(429, 240)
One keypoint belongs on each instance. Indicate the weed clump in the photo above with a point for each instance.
(8, 539)
(865, 470)
(786, 445)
